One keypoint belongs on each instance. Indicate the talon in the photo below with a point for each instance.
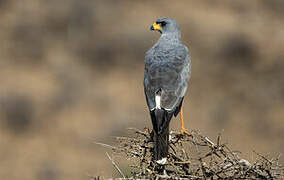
(147, 130)
(184, 131)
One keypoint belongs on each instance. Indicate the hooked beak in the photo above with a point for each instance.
(155, 27)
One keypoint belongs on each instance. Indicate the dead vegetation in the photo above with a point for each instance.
(191, 157)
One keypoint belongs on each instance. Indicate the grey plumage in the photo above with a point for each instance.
(167, 72)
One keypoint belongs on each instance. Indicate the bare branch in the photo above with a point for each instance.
(116, 167)
(192, 157)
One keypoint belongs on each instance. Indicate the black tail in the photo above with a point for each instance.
(161, 120)
(161, 145)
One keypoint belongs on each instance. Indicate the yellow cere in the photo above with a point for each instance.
(157, 26)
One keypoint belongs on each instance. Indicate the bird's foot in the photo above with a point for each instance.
(148, 131)
(184, 131)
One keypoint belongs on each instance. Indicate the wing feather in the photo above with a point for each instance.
(168, 71)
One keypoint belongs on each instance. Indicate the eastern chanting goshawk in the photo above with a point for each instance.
(166, 76)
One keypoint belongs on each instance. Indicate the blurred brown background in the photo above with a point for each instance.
(71, 73)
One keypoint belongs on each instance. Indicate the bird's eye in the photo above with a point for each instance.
(163, 23)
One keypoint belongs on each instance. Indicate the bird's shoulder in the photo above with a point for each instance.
(175, 52)
(181, 52)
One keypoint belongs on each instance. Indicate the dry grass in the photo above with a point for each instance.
(192, 157)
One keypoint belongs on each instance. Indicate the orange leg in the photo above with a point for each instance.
(148, 130)
(182, 129)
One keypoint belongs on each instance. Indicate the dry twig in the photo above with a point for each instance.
(193, 157)
(115, 165)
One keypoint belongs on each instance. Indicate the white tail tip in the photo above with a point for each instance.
(162, 161)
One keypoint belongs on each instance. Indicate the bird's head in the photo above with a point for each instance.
(165, 25)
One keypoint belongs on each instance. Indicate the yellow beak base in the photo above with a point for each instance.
(156, 27)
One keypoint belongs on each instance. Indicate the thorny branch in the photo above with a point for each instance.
(193, 157)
